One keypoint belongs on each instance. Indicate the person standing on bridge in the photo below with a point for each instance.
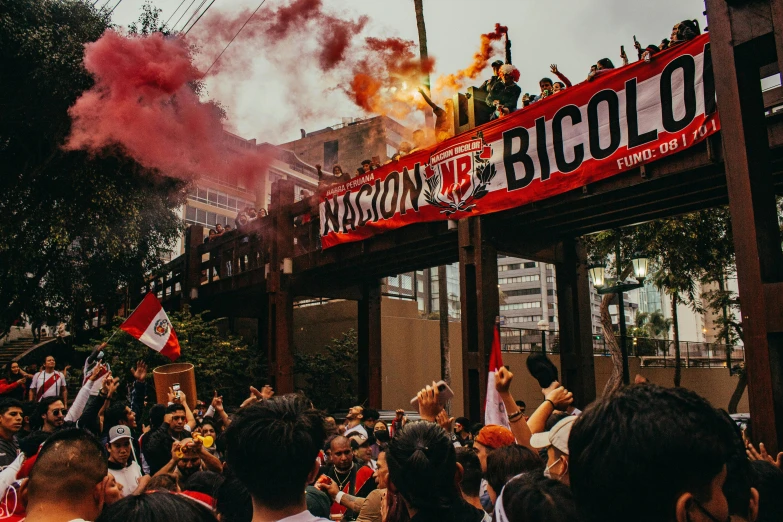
(49, 383)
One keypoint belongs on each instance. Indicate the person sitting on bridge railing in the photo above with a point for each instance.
(442, 117)
(325, 181)
(604, 65)
(488, 84)
(505, 94)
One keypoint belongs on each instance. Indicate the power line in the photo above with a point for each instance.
(199, 16)
(175, 12)
(183, 14)
(115, 7)
(234, 38)
(195, 11)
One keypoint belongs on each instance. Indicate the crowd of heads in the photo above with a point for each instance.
(643, 453)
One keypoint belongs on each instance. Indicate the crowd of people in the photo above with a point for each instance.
(503, 94)
(644, 453)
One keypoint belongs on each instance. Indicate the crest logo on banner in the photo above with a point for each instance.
(458, 176)
(161, 327)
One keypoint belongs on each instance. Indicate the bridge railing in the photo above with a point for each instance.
(234, 252)
(167, 281)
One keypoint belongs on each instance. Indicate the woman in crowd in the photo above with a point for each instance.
(13, 386)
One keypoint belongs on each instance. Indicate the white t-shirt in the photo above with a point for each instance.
(128, 476)
(55, 390)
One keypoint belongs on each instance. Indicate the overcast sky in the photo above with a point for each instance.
(571, 33)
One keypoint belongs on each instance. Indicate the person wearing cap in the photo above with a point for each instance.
(487, 85)
(462, 431)
(490, 438)
(126, 470)
(362, 451)
(556, 443)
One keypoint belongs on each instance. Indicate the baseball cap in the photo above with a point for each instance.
(357, 441)
(557, 436)
(494, 436)
(464, 422)
(119, 432)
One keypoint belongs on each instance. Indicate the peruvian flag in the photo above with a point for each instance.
(149, 324)
(494, 410)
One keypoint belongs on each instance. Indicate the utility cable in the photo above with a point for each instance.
(234, 38)
(115, 7)
(193, 14)
(199, 17)
(183, 14)
(173, 13)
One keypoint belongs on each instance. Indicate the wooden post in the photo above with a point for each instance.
(280, 310)
(478, 278)
(191, 269)
(739, 50)
(369, 340)
(577, 370)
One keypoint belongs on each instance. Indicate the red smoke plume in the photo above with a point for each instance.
(143, 102)
(387, 78)
(455, 82)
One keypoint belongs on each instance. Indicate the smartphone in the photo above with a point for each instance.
(622, 49)
(175, 387)
(635, 40)
(444, 394)
(100, 355)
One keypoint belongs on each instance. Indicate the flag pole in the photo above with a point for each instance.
(118, 329)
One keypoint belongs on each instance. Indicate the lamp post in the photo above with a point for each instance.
(543, 325)
(597, 274)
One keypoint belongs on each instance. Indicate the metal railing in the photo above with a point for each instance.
(652, 352)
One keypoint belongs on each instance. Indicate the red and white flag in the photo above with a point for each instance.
(494, 410)
(150, 325)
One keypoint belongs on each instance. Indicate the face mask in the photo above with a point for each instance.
(382, 436)
(548, 472)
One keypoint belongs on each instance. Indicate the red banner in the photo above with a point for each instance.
(624, 118)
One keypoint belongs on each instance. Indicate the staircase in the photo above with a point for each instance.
(13, 349)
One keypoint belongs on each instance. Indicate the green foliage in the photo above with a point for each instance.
(653, 325)
(222, 362)
(329, 374)
(149, 22)
(78, 226)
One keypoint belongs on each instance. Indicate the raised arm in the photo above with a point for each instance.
(183, 399)
(428, 100)
(560, 76)
(516, 420)
(557, 399)
(139, 390)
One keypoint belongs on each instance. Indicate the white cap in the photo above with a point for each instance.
(557, 436)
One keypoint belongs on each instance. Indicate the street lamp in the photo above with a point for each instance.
(597, 273)
(543, 325)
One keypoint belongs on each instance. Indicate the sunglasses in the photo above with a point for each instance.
(60, 412)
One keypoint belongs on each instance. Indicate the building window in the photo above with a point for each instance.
(531, 264)
(521, 306)
(550, 291)
(550, 279)
(518, 279)
(505, 268)
(524, 291)
(219, 199)
(524, 319)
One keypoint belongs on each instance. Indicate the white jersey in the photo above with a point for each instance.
(54, 390)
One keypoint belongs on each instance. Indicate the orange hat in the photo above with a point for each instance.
(494, 437)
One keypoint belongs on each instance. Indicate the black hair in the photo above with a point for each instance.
(509, 461)
(554, 419)
(688, 30)
(32, 443)
(422, 465)
(206, 482)
(233, 501)
(545, 80)
(369, 413)
(542, 369)
(476, 428)
(606, 63)
(7, 404)
(173, 408)
(68, 466)
(115, 414)
(670, 439)
(561, 84)
(471, 472)
(535, 498)
(10, 377)
(737, 486)
(281, 436)
(520, 404)
(41, 409)
(768, 481)
(160, 506)
(366, 162)
(162, 482)
(157, 412)
(209, 420)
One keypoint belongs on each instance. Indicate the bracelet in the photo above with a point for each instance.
(339, 496)
(516, 420)
(550, 402)
(515, 415)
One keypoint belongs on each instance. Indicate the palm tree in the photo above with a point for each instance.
(676, 285)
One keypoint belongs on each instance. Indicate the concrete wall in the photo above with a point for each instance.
(411, 357)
